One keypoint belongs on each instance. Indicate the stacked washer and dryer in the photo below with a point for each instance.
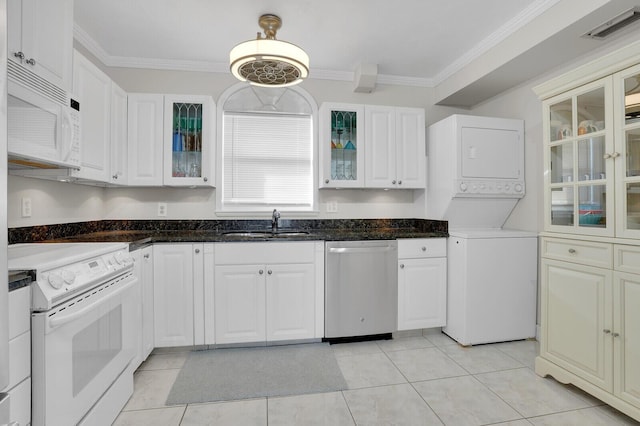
(475, 179)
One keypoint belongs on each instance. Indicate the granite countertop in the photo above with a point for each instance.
(141, 233)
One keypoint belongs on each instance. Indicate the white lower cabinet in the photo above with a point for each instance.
(590, 319)
(178, 299)
(267, 292)
(422, 283)
(143, 269)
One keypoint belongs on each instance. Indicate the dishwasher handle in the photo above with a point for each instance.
(372, 249)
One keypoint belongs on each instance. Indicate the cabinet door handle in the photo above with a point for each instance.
(197, 251)
(269, 272)
(615, 334)
(261, 272)
(206, 179)
(31, 61)
(606, 331)
(615, 154)
(572, 251)
(606, 156)
(402, 266)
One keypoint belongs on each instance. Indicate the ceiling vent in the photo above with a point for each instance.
(614, 24)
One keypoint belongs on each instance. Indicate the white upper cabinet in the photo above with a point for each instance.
(395, 147)
(40, 38)
(189, 140)
(119, 136)
(145, 136)
(92, 87)
(341, 146)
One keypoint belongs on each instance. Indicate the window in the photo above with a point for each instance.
(267, 157)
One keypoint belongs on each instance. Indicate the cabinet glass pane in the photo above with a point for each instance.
(633, 152)
(592, 204)
(344, 135)
(633, 206)
(187, 140)
(632, 99)
(562, 206)
(591, 163)
(562, 163)
(590, 111)
(560, 120)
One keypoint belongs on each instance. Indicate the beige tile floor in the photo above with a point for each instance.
(417, 380)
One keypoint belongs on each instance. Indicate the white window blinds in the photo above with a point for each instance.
(267, 161)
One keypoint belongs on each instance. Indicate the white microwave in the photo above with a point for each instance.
(43, 130)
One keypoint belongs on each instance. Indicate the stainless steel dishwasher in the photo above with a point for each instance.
(361, 288)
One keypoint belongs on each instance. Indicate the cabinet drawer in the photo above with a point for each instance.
(586, 252)
(19, 311)
(626, 258)
(422, 247)
(19, 358)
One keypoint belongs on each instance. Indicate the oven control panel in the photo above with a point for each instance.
(61, 283)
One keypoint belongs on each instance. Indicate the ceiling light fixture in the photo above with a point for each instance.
(269, 62)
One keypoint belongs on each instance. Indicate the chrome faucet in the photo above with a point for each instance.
(274, 221)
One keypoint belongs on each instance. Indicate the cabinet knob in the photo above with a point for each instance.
(399, 182)
(206, 179)
(615, 154)
(197, 251)
(31, 61)
(423, 248)
(606, 156)
(615, 334)
(19, 55)
(606, 331)
(393, 182)
(572, 251)
(326, 181)
(402, 266)
(269, 272)
(115, 176)
(261, 272)
(146, 256)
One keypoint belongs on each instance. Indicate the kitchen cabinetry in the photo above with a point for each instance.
(144, 121)
(20, 355)
(171, 140)
(368, 146)
(40, 39)
(268, 292)
(341, 145)
(394, 147)
(178, 294)
(119, 135)
(189, 142)
(422, 283)
(143, 269)
(589, 318)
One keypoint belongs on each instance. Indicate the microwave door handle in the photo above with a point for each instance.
(68, 135)
(60, 321)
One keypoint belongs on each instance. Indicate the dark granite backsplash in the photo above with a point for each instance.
(31, 234)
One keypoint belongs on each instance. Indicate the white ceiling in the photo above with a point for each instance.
(414, 42)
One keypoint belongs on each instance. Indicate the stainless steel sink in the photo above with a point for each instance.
(284, 234)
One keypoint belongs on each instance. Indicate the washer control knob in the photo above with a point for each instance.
(56, 281)
(68, 276)
(518, 187)
(463, 187)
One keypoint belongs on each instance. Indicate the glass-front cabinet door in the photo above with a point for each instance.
(341, 146)
(189, 140)
(579, 158)
(627, 112)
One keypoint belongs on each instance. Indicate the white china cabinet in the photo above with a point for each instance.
(590, 250)
(40, 38)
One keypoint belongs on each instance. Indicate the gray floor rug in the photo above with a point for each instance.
(228, 374)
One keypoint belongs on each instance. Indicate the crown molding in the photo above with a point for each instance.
(527, 15)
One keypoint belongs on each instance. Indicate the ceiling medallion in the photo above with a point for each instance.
(269, 62)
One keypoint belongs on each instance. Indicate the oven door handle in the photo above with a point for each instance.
(60, 321)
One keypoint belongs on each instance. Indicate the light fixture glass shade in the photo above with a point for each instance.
(269, 62)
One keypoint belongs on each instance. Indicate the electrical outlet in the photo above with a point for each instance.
(26, 207)
(332, 206)
(162, 209)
